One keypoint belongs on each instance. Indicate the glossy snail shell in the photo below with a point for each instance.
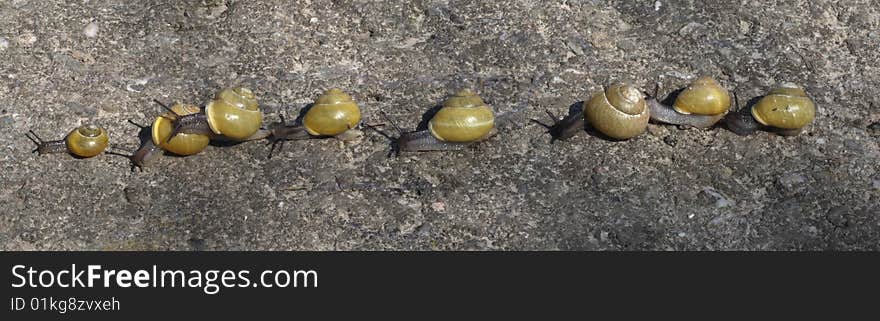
(333, 113)
(619, 112)
(785, 107)
(87, 141)
(704, 96)
(234, 113)
(182, 144)
(463, 118)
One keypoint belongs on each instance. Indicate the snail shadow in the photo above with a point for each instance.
(671, 97)
(739, 120)
(302, 113)
(578, 108)
(427, 116)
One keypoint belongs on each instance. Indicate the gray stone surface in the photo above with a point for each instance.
(68, 62)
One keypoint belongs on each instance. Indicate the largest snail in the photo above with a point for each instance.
(785, 110)
(463, 119)
(619, 112)
(85, 141)
(702, 104)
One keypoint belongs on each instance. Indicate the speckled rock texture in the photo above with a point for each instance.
(65, 63)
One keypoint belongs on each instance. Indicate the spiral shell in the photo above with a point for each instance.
(463, 118)
(619, 112)
(234, 113)
(704, 96)
(333, 113)
(87, 141)
(785, 107)
(182, 144)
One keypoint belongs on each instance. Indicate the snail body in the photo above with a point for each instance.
(619, 112)
(462, 120)
(702, 104)
(84, 141)
(785, 110)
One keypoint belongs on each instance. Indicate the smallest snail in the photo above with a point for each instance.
(84, 141)
(702, 104)
(785, 110)
(463, 119)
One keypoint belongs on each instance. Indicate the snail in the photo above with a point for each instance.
(183, 144)
(463, 119)
(619, 112)
(785, 110)
(334, 114)
(233, 114)
(156, 139)
(84, 141)
(702, 104)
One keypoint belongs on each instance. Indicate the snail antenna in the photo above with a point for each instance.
(393, 124)
(375, 128)
(174, 120)
(735, 100)
(553, 118)
(395, 149)
(119, 151)
(36, 139)
(550, 113)
(165, 106)
(136, 124)
(279, 143)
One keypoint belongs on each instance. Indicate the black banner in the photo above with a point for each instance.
(102, 285)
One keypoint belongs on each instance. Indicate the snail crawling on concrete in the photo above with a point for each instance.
(84, 141)
(334, 114)
(702, 104)
(463, 120)
(785, 110)
(619, 112)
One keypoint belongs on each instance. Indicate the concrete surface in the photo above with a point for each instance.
(66, 62)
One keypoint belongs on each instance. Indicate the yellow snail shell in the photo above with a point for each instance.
(333, 113)
(234, 113)
(87, 141)
(463, 118)
(619, 112)
(785, 107)
(703, 97)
